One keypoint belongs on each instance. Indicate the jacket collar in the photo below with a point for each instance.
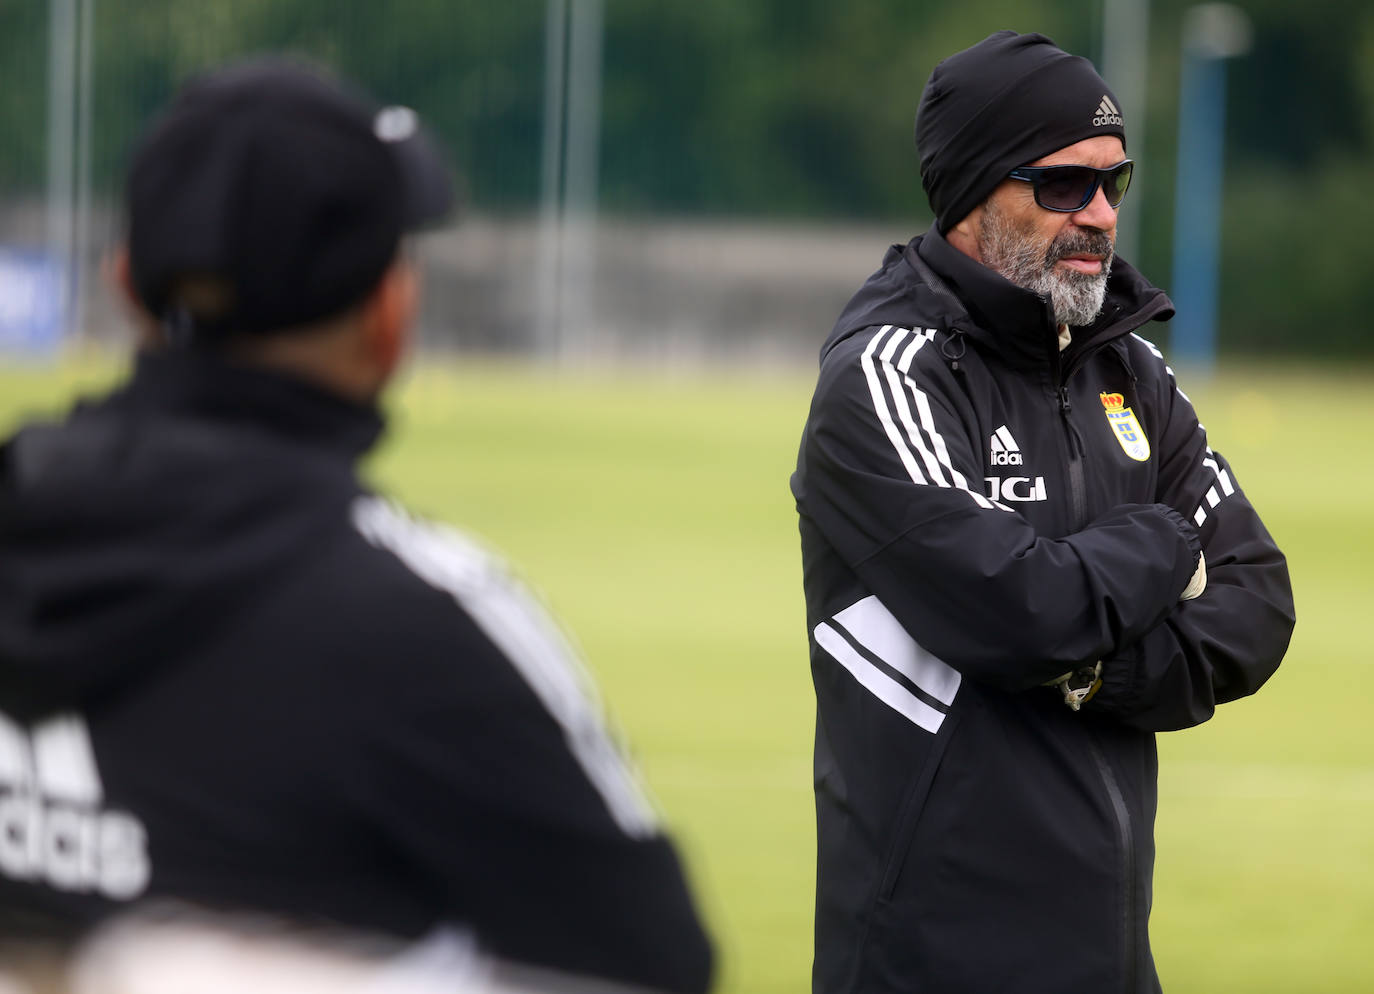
(202, 385)
(1018, 323)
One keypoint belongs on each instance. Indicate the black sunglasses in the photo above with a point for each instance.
(1068, 189)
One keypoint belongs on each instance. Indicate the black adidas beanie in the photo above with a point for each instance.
(1007, 101)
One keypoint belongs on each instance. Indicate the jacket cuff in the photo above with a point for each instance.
(1122, 679)
(1190, 535)
(1123, 674)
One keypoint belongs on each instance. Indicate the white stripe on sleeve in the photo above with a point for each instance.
(1154, 350)
(878, 630)
(878, 683)
(526, 636)
(875, 389)
(885, 384)
(1223, 477)
(881, 636)
(903, 408)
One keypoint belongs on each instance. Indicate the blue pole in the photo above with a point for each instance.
(1197, 208)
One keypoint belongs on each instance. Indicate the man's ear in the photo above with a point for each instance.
(964, 235)
(118, 276)
(389, 316)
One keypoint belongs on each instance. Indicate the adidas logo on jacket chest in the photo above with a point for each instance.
(55, 827)
(1003, 451)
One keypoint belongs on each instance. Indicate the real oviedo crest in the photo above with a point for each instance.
(1125, 427)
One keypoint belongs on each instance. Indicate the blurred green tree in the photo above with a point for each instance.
(778, 108)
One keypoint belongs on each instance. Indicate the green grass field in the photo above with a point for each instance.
(653, 513)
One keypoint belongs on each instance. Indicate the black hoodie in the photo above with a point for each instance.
(980, 514)
(229, 675)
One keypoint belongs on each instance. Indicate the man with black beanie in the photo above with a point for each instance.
(234, 681)
(1021, 560)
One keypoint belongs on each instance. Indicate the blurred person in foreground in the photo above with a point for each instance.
(232, 675)
(1021, 561)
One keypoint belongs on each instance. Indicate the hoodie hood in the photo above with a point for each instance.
(929, 282)
(144, 522)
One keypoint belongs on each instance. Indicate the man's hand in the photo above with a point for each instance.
(1079, 686)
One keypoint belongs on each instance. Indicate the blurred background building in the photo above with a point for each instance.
(695, 180)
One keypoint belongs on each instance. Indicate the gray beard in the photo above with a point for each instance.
(1075, 298)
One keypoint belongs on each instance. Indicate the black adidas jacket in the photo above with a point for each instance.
(232, 676)
(981, 513)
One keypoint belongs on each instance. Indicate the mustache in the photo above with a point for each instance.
(1073, 242)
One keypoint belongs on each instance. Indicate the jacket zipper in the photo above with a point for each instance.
(1076, 485)
(1122, 814)
(1126, 838)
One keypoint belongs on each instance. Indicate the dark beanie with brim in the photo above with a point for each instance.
(1009, 100)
